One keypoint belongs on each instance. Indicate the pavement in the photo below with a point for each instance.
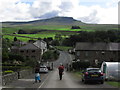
(27, 82)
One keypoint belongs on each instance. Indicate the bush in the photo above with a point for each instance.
(31, 63)
(16, 57)
(51, 55)
(80, 65)
(8, 71)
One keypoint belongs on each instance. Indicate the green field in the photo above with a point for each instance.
(10, 30)
(40, 35)
(50, 27)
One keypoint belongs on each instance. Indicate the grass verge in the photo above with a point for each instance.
(113, 83)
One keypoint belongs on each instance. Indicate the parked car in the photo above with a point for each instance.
(43, 69)
(93, 74)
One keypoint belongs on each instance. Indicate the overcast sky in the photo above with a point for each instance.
(88, 11)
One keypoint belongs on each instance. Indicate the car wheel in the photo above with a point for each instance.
(85, 81)
(102, 82)
(82, 80)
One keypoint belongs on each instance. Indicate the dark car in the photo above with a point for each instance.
(93, 74)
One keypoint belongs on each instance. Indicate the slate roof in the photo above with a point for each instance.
(97, 46)
(38, 43)
(14, 47)
(29, 46)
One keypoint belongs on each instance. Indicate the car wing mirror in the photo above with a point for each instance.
(83, 71)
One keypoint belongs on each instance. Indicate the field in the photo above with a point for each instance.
(51, 27)
(10, 30)
(40, 35)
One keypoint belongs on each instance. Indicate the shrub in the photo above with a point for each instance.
(8, 71)
(50, 55)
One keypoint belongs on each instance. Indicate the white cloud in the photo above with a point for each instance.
(25, 10)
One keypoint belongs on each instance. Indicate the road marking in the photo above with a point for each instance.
(43, 82)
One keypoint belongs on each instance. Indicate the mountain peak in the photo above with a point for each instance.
(62, 18)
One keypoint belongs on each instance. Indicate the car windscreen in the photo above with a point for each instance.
(94, 70)
(43, 67)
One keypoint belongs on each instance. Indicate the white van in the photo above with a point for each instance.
(111, 70)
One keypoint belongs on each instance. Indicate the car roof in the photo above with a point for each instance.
(42, 66)
(92, 68)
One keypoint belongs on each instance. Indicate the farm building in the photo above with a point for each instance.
(97, 52)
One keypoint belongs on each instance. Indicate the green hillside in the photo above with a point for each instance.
(49, 27)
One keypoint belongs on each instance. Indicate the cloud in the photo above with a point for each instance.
(66, 6)
(91, 18)
(49, 15)
(26, 10)
(119, 12)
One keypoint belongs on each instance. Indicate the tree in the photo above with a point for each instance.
(5, 56)
(58, 37)
(75, 27)
(55, 43)
(39, 38)
(16, 57)
(15, 38)
(31, 62)
(22, 31)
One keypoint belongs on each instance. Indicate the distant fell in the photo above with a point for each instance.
(50, 21)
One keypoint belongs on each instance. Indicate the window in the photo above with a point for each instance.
(33, 50)
(27, 56)
(78, 53)
(27, 51)
(33, 56)
(86, 54)
(103, 53)
(114, 52)
(21, 51)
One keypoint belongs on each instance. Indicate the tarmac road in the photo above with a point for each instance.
(64, 58)
(69, 81)
(51, 80)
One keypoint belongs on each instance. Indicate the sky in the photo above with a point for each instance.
(88, 11)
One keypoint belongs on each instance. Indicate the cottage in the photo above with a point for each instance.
(97, 52)
(32, 50)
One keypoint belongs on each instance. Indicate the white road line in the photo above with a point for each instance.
(43, 82)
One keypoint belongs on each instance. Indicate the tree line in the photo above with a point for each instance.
(96, 36)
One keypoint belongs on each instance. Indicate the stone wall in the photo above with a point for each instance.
(24, 73)
(9, 78)
(6, 79)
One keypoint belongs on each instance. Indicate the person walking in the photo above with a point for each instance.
(37, 75)
(61, 69)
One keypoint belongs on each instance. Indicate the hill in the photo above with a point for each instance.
(55, 23)
(50, 21)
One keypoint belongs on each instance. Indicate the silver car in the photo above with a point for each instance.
(43, 69)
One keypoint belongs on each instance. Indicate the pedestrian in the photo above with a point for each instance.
(61, 69)
(37, 75)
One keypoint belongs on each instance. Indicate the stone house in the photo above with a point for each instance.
(97, 52)
(32, 50)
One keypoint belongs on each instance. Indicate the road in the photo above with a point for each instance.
(51, 80)
(64, 58)
(69, 79)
